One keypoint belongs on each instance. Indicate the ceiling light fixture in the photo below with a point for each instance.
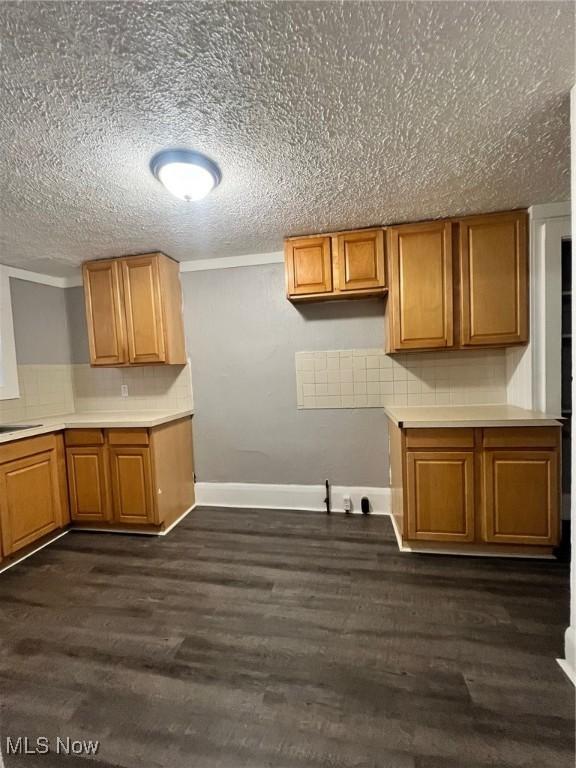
(185, 173)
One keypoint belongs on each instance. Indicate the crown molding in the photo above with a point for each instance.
(38, 277)
(198, 265)
(549, 211)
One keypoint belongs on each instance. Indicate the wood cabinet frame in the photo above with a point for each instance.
(532, 526)
(89, 488)
(135, 322)
(374, 277)
(397, 337)
(337, 278)
(493, 510)
(128, 489)
(38, 503)
(298, 282)
(149, 307)
(471, 334)
(106, 322)
(449, 303)
(150, 468)
(440, 462)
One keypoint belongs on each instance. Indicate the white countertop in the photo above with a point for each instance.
(94, 419)
(419, 416)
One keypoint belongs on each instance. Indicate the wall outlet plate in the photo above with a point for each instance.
(124, 390)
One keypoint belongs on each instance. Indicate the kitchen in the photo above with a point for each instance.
(181, 378)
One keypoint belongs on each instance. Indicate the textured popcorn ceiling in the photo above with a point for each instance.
(321, 116)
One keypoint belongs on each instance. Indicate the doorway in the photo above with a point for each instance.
(566, 392)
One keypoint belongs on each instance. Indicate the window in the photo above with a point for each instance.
(8, 371)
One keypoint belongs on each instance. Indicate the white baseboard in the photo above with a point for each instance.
(307, 497)
(568, 670)
(568, 664)
(132, 530)
(178, 520)
(18, 560)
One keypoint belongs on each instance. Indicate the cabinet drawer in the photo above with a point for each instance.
(84, 437)
(440, 438)
(19, 449)
(521, 437)
(128, 437)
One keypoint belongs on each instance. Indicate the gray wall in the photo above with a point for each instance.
(242, 334)
(77, 330)
(40, 323)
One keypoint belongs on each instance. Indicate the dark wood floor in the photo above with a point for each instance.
(252, 639)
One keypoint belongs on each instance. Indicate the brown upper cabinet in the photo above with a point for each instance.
(340, 266)
(493, 280)
(458, 283)
(309, 266)
(420, 301)
(454, 283)
(134, 311)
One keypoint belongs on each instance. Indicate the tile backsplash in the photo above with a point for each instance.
(149, 388)
(53, 390)
(45, 390)
(368, 378)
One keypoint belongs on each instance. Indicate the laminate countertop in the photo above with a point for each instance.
(421, 416)
(93, 420)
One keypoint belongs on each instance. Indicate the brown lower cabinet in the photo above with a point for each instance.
(33, 500)
(130, 477)
(116, 477)
(490, 489)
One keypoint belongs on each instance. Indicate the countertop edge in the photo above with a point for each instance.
(476, 423)
(71, 421)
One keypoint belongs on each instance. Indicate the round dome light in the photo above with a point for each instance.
(185, 173)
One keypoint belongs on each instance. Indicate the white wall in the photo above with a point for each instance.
(570, 646)
(534, 371)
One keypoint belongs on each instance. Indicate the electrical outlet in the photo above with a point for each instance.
(124, 390)
(347, 503)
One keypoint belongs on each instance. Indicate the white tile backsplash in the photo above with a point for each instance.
(368, 378)
(45, 390)
(149, 388)
(53, 390)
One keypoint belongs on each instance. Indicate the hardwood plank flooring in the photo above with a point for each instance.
(278, 639)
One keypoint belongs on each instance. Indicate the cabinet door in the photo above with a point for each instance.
(30, 501)
(132, 493)
(308, 266)
(494, 280)
(520, 497)
(104, 314)
(88, 483)
(440, 495)
(143, 302)
(361, 260)
(421, 286)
